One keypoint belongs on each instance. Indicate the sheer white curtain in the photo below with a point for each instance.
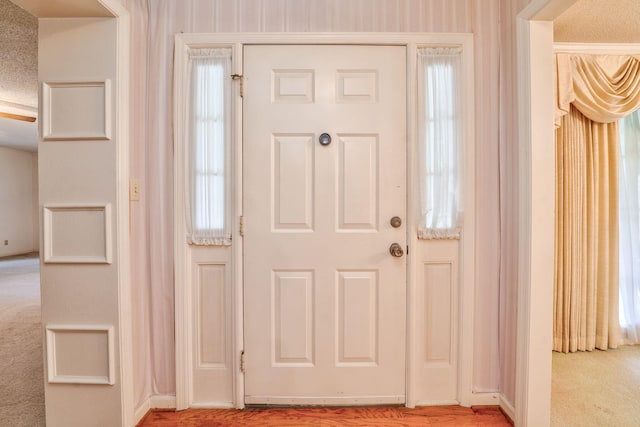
(440, 139)
(629, 214)
(208, 193)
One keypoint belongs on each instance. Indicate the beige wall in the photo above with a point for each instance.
(17, 202)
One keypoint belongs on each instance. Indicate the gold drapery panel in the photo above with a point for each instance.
(593, 92)
(586, 282)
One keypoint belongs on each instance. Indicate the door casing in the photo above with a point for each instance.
(183, 275)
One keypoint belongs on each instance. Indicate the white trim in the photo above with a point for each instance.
(485, 399)
(237, 249)
(16, 108)
(213, 405)
(158, 401)
(435, 403)
(326, 400)
(467, 278)
(536, 206)
(598, 48)
(47, 109)
(183, 291)
(182, 262)
(50, 257)
(140, 412)
(122, 211)
(52, 371)
(507, 408)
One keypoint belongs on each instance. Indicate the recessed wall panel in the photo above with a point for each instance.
(292, 181)
(357, 86)
(357, 323)
(211, 325)
(358, 183)
(438, 312)
(292, 86)
(293, 318)
(77, 234)
(76, 110)
(80, 354)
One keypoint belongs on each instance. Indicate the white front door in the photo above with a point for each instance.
(324, 298)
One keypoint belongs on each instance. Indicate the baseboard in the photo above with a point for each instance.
(507, 408)
(163, 401)
(154, 402)
(141, 412)
(485, 399)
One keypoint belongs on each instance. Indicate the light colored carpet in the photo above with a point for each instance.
(21, 364)
(597, 388)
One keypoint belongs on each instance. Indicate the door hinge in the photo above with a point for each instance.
(242, 366)
(241, 78)
(241, 225)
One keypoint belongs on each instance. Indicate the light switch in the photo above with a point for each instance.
(134, 190)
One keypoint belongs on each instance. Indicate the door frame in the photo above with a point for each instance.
(184, 333)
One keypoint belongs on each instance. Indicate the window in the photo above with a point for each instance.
(440, 142)
(629, 227)
(209, 129)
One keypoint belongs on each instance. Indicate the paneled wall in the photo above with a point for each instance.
(154, 24)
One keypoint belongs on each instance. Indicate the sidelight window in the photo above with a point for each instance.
(208, 199)
(440, 142)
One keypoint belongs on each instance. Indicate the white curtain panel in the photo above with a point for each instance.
(629, 214)
(208, 202)
(440, 142)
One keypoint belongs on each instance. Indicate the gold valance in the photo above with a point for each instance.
(604, 88)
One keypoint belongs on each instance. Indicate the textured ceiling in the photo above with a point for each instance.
(599, 21)
(18, 75)
(18, 55)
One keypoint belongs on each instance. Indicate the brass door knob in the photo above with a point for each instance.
(396, 250)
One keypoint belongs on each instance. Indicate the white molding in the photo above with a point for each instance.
(467, 275)
(50, 257)
(435, 403)
(183, 291)
(213, 405)
(158, 401)
(598, 48)
(47, 109)
(123, 247)
(162, 401)
(507, 407)
(182, 261)
(17, 108)
(52, 375)
(536, 189)
(238, 247)
(485, 399)
(327, 400)
(140, 412)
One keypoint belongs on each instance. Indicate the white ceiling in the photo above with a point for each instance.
(64, 8)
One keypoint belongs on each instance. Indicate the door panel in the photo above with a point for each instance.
(324, 299)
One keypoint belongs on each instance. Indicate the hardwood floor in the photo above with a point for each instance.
(328, 417)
